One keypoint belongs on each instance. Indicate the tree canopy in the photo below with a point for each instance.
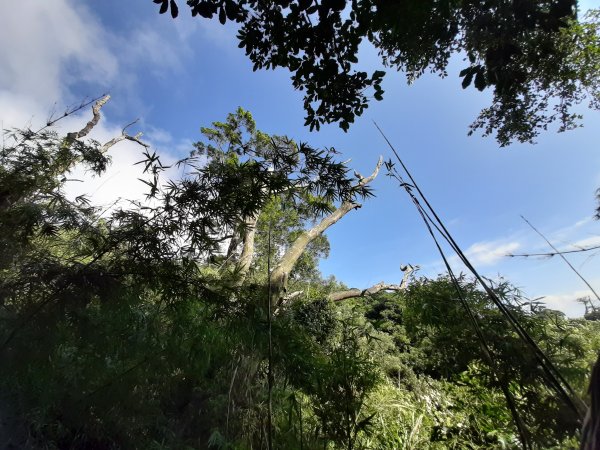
(536, 57)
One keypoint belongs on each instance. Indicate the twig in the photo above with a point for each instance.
(124, 136)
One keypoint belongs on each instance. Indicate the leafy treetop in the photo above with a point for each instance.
(538, 59)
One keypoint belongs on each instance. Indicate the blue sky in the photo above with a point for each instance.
(177, 76)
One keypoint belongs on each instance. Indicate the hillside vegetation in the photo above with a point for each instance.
(158, 326)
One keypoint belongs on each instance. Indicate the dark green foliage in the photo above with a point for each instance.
(342, 386)
(127, 332)
(428, 323)
(116, 332)
(539, 61)
(317, 317)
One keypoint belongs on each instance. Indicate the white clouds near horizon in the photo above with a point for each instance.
(545, 277)
(58, 45)
(567, 302)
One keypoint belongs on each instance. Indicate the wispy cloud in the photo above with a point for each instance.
(64, 45)
(493, 252)
(487, 253)
(571, 231)
(162, 53)
(60, 43)
(480, 254)
(587, 242)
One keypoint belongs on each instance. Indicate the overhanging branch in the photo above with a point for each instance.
(124, 136)
(279, 275)
(379, 287)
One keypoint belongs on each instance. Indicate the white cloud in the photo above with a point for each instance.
(51, 46)
(577, 235)
(571, 231)
(548, 277)
(59, 44)
(158, 135)
(121, 180)
(567, 302)
(587, 242)
(480, 254)
(490, 252)
(582, 222)
(148, 46)
(47, 45)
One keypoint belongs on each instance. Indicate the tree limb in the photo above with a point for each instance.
(73, 136)
(354, 293)
(122, 137)
(292, 295)
(92, 123)
(280, 274)
(245, 260)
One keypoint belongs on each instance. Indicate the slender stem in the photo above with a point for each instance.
(270, 330)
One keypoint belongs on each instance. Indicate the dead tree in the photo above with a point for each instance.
(67, 155)
(73, 136)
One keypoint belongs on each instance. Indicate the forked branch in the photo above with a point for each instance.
(124, 136)
(73, 136)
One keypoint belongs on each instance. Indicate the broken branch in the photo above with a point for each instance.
(354, 293)
(93, 121)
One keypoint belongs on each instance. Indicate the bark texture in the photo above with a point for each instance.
(73, 136)
(354, 293)
(280, 274)
(92, 123)
(245, 260)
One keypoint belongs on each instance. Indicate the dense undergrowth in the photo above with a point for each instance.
(114, 334)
